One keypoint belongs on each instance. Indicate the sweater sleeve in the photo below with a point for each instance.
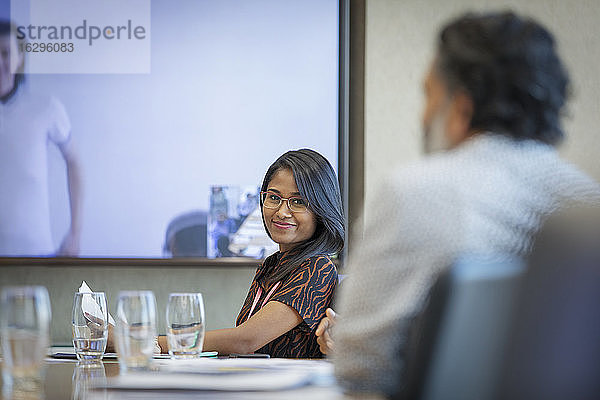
(388, 275)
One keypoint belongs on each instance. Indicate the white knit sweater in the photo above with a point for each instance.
(489, 195)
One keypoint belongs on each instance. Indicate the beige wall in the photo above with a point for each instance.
(400, 38)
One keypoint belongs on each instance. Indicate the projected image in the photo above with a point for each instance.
(125, 165)
(235, 227)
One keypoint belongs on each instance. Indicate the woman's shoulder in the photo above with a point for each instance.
(314, 272)
(319, 259)
(321, 263)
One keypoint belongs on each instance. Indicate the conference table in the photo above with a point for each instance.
(215, 378)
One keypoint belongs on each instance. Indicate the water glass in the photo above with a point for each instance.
(135, 330)
(185, 325)
(90, 326)
(25, 315)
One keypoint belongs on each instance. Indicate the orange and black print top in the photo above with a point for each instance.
(308, 290)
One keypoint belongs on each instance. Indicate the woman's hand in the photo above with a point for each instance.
(323, 332)
(110, 340)
(160, 342)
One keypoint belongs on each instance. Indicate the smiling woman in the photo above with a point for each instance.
(288, 221)
(307, 174)
(302, 212)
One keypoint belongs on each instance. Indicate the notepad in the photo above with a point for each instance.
(261, 381)
(66, 353)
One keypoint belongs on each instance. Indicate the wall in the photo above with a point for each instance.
(223, 289)
(400, 39)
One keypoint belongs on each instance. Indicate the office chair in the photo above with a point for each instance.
(554, 351)
(186, 235)
(456, 345)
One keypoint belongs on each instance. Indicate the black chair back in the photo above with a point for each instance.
(456, 344)
(555, 338)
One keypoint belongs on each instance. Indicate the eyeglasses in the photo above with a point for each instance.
(273, 201)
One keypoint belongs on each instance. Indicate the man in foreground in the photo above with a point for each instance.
(494, 93)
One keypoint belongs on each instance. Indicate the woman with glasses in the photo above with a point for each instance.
(302, 212)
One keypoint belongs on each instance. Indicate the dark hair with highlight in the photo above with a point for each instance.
(510, 68)
(318, 184)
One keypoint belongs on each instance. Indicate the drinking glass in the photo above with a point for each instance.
(90, 326)
(24, 328)
(135, 329)
(185, 325)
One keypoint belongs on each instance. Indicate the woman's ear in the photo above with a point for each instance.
(459, 118)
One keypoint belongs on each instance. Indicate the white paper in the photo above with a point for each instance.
(237, 365)
(90, 306)
(256, 381)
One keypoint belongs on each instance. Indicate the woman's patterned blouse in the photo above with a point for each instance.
(308, 290)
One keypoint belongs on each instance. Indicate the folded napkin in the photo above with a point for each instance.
(90, 306)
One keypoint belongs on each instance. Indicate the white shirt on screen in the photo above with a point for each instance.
(27, 124)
